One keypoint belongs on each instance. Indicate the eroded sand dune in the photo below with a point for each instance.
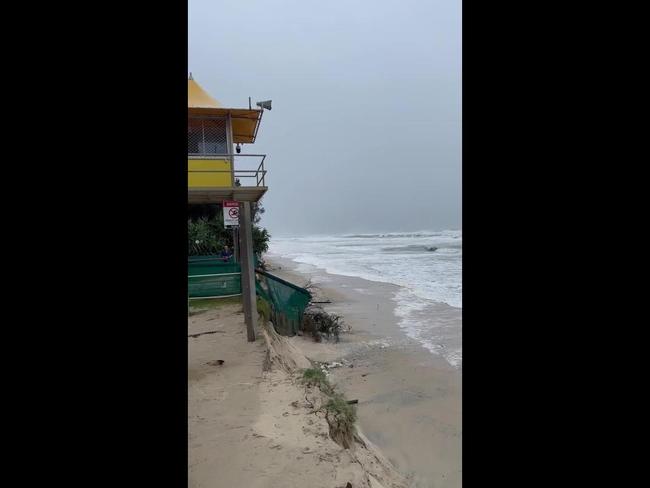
(250, 423)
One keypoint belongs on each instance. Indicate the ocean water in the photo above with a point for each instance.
(426, 265)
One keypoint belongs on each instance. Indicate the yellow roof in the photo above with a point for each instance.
(198, 97)
(245, 122)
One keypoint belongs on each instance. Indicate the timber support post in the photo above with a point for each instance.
(247, 269)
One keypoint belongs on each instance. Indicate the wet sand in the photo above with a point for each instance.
(410, 401)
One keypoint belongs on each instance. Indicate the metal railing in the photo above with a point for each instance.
(259, 173)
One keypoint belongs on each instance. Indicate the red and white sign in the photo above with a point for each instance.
(230, 214)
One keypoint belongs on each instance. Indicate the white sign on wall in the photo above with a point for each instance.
(230, 214)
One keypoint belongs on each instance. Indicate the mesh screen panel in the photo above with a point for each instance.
(206, 136)
(210, 276)
(286, 301)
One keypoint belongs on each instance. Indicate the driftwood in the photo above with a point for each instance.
(319, 323)
(204, 333)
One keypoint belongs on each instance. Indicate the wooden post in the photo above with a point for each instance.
(247, 269)
(244, 268)
(235, 244)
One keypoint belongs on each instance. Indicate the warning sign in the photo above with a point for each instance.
(230, 214)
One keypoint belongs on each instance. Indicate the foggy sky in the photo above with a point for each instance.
(365, 130)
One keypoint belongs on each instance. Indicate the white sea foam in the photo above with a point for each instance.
(399, 258)
(437, 330)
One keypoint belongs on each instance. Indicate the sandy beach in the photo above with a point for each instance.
(251, 421)
(410, 402)
(250, 425)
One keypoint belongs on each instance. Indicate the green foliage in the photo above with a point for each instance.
(338, 408)
(205, 225)
(313, 377)
(340, 414)
(260, 240)
(257, 210)
(316, 377)
(340, 417)
(263, 308)
(206, 237)
(210, 212)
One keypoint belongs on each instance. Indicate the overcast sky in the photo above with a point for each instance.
(365, 130)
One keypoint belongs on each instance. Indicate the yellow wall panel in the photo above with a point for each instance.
(206, 173)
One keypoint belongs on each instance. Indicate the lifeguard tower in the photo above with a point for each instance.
(218, 172)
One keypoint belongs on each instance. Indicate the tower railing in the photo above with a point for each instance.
(244, 167)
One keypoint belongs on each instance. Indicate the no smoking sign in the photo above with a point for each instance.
(230, 214)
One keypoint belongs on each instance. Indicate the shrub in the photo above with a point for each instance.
(315, 377)
(320, 323)
(205, 225)
(264, 309)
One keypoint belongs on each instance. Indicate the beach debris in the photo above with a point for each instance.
(334, 364)
(353, 402)
(381, 344)
(194, 336)
(320, 323)
(310, 286)
(324, 370)
(216, 362)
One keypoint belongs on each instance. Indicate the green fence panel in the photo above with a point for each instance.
(286, 301)
(214, 286)
(210, 276)
(195, 269)
(199, 262)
